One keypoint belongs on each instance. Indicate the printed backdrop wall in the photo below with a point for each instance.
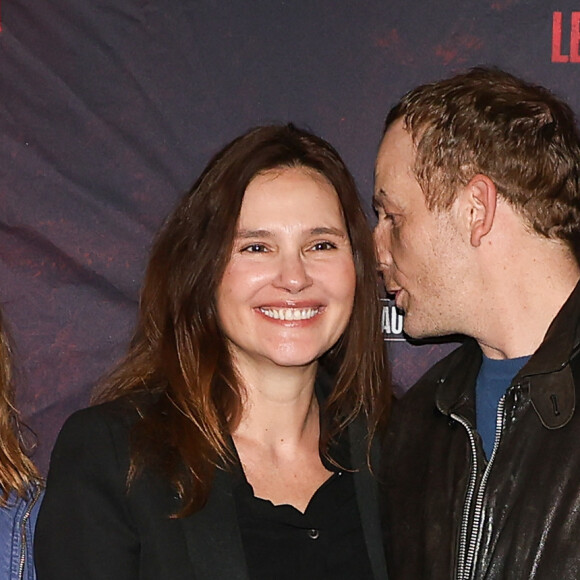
(109, 109)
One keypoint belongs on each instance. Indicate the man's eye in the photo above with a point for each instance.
(391, 218)
(382, 214)
(255, 248)
(324, 246)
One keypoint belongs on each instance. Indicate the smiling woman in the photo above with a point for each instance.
(233, 440)
(287, 292)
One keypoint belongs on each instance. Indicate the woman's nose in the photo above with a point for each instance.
(293, 274)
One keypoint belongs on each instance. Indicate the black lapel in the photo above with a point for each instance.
(213, 536)
(367, 498)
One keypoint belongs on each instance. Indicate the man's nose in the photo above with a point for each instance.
(383, 247)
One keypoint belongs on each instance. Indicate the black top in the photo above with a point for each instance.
(326, 542)
(91, 527)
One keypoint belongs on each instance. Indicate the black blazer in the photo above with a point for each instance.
(90, 528)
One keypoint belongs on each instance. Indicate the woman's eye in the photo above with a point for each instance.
(324, 246)
(255, 248)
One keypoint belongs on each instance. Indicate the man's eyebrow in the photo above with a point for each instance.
(379, 195)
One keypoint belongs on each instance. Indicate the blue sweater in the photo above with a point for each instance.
(495, 376)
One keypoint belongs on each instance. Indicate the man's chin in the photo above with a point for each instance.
(414, 334)
(417, 331)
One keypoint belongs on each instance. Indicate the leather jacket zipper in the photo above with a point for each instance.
(463, 533)
(470, 536)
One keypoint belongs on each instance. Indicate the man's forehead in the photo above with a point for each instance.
(396, 184)
(396, 152)
(397, 135)
(394, 167)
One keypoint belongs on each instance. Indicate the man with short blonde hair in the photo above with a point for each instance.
(478, 202)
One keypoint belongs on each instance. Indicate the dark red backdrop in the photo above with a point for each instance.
(110, 108)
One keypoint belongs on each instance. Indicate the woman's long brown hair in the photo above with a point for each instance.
(17, 471)
(178, 353)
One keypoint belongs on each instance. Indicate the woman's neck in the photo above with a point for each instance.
(280, 410)
(277, 438)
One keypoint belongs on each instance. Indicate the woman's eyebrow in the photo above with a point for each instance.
(328, 231)
(322, 230)
(244, 234)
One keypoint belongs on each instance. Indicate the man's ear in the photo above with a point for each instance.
(481, 196)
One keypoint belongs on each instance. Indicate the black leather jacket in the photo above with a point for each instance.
(449, 513)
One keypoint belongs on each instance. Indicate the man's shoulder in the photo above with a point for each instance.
(417, 419)
(424, 389)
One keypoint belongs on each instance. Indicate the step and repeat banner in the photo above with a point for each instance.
(109, 109)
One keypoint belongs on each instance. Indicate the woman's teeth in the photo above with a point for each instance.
(290, 313)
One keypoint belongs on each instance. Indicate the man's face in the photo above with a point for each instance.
(420, 251)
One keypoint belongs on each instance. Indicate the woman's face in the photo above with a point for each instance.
(287, 292)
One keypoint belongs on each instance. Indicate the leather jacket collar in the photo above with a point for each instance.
(547, 376)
